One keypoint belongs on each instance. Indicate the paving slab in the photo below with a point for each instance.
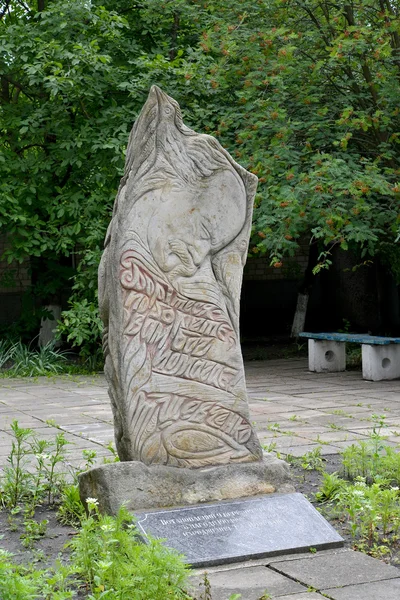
(301, 596)
(336, 570)
(379, 590)
(250, 582)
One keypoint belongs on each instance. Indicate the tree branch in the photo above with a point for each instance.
(17, 85)
(5, 9)
(174, 36)
(27, 147)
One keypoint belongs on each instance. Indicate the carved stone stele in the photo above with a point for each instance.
(169, 289)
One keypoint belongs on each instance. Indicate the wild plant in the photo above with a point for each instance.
(206, 592)
(373, 460)
(6, 352)
(33, 531)
(71, 510)
(309, 461)
(21, 582)
(32, 469)
(38, 448)
(313, 460)
(55, 480)
(357, 461)
(330, 487)
(26, 362)
(17, 481)
(390, 464)
(15, 583)
(90, 458)
(114, 456)
(109, 558)
(373, 511)
(271, 447)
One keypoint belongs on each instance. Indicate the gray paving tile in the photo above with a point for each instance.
(379, 590)
(297, 451)
(250, 582)
(305, 596)
(341, 445)
(336, 570)
(330, 435)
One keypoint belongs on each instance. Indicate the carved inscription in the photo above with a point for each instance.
(180, 333)
(179, 338)
(181, 431)
(216, 522)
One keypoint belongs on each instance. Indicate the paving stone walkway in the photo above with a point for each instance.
(294, 411)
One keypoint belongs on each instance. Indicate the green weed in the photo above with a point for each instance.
(71, 510)
(309, 461)
(109, 557)
(366, 497)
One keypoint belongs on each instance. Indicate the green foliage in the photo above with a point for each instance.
(46, 360)
(107, 557)
(16, 582)
(19, 360)
(18, 484)
(16, 481)
(309, 461)
(73, 77)
(329, 488)
(110, 558)
(366, 498)
(83, 327)
(6, 352)
(305, 95)
(33, 531)
(372, 459)
(373, 511)
(71, 509)
(106, 554)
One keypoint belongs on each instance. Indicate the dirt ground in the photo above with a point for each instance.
(46, 549)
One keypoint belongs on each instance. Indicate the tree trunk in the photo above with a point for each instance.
(300, 314)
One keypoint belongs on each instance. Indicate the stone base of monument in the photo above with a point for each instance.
(220, 514)
(139, 486)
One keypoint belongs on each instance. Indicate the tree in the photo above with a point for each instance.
(73, 78)
(62, 133)
(305, 94)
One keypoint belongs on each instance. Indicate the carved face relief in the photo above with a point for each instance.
(174, 364)
(190, 225)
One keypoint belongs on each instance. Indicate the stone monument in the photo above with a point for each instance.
(169, 289)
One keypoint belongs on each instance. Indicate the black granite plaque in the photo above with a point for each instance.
(212, 534)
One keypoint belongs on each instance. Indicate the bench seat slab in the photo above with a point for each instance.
(380, 362)
(326, 356)
(356, 338)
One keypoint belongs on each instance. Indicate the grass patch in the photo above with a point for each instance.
(20, 360)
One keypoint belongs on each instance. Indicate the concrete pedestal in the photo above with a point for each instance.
(326, 356)
(380, 362)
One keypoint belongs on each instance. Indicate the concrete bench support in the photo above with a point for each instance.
(380, 362)
(326, 356)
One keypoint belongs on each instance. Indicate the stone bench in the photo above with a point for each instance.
(380, 355)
